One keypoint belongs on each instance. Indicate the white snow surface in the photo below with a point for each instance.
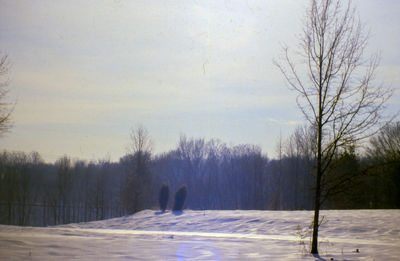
(211, 235)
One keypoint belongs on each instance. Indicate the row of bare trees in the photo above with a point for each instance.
(217, 176)
(361, 175)
(35, 193)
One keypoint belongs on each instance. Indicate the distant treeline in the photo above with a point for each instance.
(217, 176)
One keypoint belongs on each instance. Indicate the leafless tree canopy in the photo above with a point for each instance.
(337, 88)
(386, 146)
(5, 110)
(141, 141)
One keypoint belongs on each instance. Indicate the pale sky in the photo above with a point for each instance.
(84, 73)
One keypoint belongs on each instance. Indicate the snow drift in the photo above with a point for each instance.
(211, 235)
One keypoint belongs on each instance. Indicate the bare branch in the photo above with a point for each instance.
(5, 110)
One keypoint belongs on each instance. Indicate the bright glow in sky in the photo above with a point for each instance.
(85, 72)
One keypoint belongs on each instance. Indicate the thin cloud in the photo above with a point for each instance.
(285, 122)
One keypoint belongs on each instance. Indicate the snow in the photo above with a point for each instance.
(211, 235)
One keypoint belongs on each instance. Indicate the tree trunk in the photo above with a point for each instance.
(314, 245)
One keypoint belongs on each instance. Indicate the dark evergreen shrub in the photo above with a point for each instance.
(163, 197)
(180, 197)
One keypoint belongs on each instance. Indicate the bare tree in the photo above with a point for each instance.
(336, 91)
(386, 146)
(141, 142)
(64, 182)
(138, 180)
(5, 110)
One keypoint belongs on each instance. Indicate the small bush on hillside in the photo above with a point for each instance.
(180, 197)
(163, 197)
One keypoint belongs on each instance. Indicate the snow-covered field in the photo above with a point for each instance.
(210, 235)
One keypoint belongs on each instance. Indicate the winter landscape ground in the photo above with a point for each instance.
(210, 235)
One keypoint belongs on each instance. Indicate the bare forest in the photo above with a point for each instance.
(217, 176)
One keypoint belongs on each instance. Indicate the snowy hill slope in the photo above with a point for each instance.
(211, 235)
